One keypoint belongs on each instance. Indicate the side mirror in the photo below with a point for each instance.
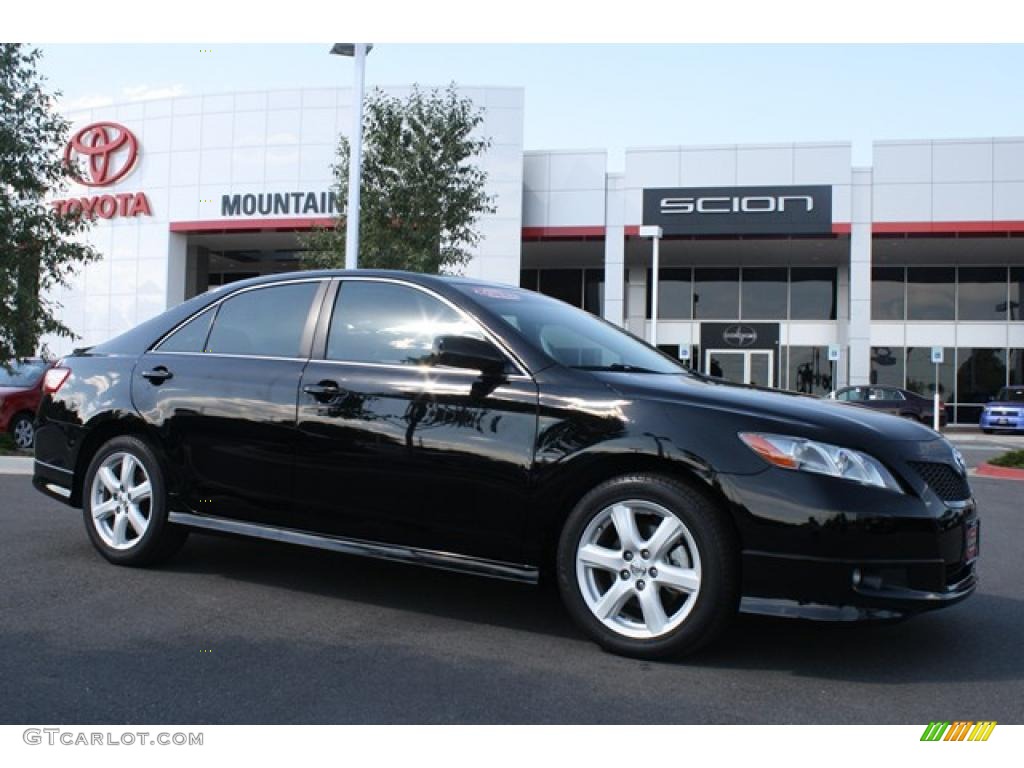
(467, 352)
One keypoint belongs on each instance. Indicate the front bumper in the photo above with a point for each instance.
(1002, 419)
(812, 542)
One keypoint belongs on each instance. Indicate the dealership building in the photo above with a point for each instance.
(782, 265)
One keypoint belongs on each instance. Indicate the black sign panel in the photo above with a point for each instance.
(800, 210)
(739, 336)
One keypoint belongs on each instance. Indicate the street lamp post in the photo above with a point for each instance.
(654, 232)
(358, 52)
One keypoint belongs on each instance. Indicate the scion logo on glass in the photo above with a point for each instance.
(101, 154)
(739, 336)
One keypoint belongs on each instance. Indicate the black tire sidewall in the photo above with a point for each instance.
(719, 592)
(147, 548)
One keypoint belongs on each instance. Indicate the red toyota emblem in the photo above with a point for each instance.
(101, 154)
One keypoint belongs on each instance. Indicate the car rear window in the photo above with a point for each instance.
(21, 374)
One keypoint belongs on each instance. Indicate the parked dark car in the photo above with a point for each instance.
(492, 430)
(898, 402)
(1005, 411)
(21, 387)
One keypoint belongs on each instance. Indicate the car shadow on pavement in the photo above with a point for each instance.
(975, 640)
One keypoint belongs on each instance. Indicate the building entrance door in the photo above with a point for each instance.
(753, 366)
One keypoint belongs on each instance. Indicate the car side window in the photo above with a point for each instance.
(388, 323)
(265, 322)
(191, 337)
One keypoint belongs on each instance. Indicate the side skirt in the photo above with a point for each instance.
(447, 561)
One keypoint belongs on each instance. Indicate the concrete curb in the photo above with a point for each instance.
(1003, 473)
(15, 465)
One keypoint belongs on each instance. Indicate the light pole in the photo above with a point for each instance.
(654, 232)
(358, 52)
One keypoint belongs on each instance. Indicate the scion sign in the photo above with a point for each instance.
(805, 210)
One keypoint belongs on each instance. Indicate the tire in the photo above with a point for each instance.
(127, 525)
(23, 431)
(691, 568)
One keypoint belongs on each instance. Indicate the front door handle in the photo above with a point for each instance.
(324, 390)
(158, 375)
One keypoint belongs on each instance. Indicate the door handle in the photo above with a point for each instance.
(158, 375)
(323, 390)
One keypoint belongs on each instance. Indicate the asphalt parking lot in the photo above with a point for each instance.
(252, 632)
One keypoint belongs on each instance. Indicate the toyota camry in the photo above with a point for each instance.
(475, 427)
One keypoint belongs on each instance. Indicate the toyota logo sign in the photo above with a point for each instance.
(739, 336)
(101, 154)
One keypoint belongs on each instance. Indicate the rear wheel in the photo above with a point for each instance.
(649, 567)
(23, 431)
(125, 505)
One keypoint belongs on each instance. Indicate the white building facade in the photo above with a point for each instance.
(774, 260)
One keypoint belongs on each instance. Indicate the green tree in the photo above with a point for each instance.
(38, 248)
(421, 193)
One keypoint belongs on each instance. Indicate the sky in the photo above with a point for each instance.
(616, 96)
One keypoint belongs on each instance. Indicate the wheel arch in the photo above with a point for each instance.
(560, 492)
(97, 436)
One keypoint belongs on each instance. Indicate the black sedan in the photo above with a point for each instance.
(898, 402)
(452, 423)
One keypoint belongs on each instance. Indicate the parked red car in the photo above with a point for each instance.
(21, 387)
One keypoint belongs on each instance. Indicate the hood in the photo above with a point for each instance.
(804, 415)
(1005, 404)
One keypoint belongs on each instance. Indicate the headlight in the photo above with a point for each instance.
(821, 458)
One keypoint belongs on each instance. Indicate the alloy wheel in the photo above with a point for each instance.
(24, 434)
(121, 500)
(638, 569)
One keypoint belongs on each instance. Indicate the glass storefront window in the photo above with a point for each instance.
(1016, 367)
(528, 279)
(675, 287)
(764, 293)
(930, 293)
(809, 370)
(887, 293)
(563, 284)
(979, 374)
(593, 291)
(887, 366)
(921, 372)
(812, 293)
(1017, 293)
(716, 294)
(981, 293)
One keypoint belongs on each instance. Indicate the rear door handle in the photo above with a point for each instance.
(158, 375)
(323, 390)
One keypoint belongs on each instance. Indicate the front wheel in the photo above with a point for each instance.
(125, 505)
(648, 566)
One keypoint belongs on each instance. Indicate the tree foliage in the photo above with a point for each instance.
(421, 192)
(38, 249)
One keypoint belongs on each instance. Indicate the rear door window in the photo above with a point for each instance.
(265, 322)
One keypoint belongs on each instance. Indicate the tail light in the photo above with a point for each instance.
(55, 378)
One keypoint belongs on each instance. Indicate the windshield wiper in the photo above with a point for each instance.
(617, 367)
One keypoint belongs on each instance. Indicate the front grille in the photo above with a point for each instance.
(1003, 413)
(944, 480)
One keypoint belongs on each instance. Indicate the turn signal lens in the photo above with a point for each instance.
(54, 379)
(820, 458)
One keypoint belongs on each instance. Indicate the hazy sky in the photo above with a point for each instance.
(618, 96)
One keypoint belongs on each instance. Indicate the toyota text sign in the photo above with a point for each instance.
(796, 210)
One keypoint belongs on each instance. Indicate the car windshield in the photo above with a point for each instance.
(570, 336)
(1011, 395)
(21, 374)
